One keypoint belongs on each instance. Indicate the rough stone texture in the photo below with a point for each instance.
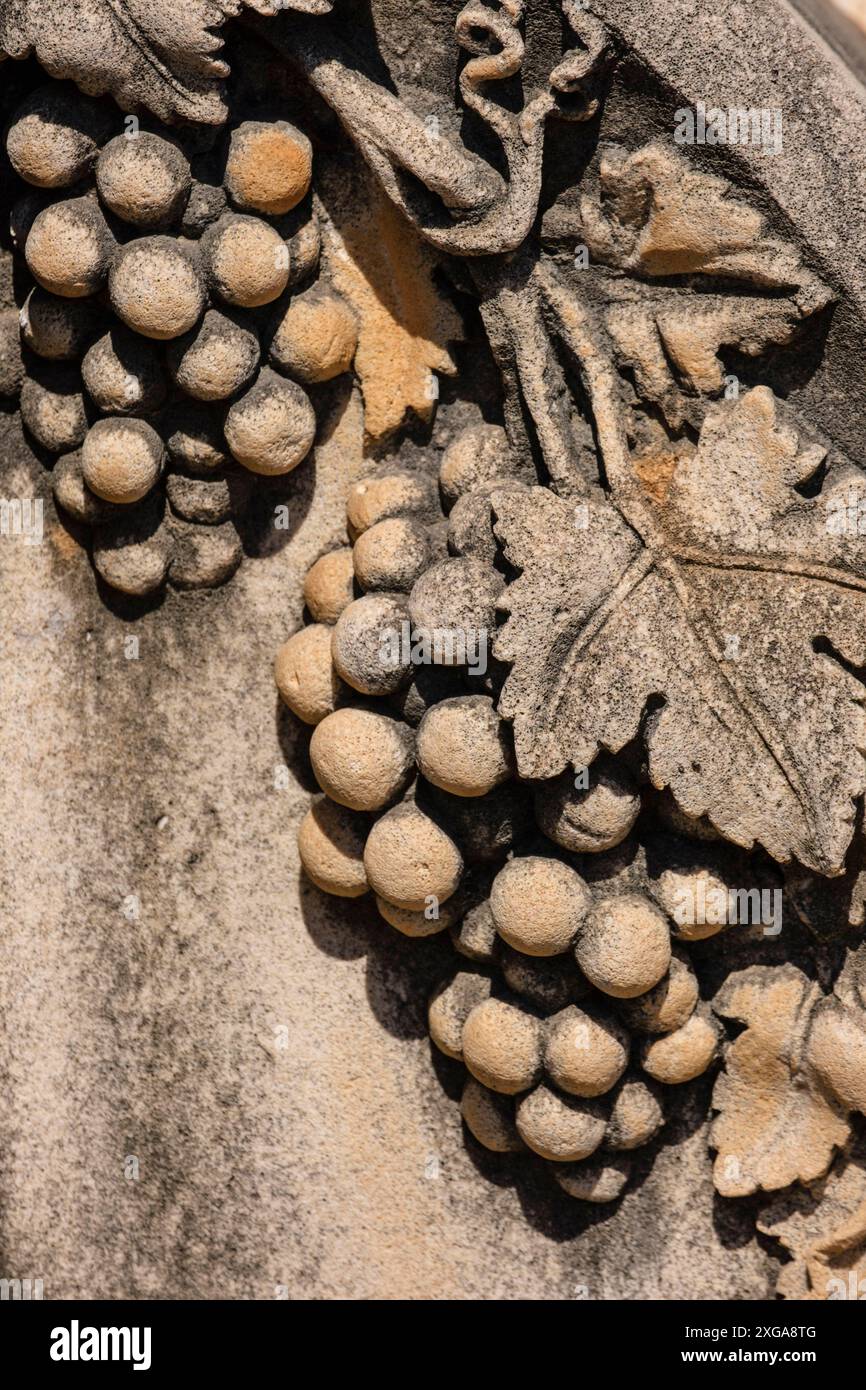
(216, 1078)
(160, 1038)
(825, 120)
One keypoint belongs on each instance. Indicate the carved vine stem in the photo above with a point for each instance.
(495, 215)
(532, 377)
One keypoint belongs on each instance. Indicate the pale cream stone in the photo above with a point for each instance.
(305, 674)
(121, 459)
(271, 428)
(410, 860)
(328, 586)
(247, 260)
(684, 1054)
(558, 1127)
(464, 747)
(361, 758)
(585, 1054)
(502, 1046)
(156, 288)
(538, 905)
(624, 948)
(331, 846)
(316, 337)
(488, 1118)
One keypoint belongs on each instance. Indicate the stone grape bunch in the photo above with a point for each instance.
(575, 1005)
(175, 317)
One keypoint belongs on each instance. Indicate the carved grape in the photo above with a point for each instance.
(162, 259)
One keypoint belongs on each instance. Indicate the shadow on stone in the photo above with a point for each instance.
(400, 973)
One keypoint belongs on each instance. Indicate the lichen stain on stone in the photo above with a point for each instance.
(378, 262)
(655, 471)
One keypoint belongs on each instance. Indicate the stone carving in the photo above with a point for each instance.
(790, 1080)
(597, 659)
(574, 978)
(144, 52)
(655, 217)
(458, 200)
(735, 740)
(824, 1230)
(170, 328)
(669, 551)
(551, 1074)
(405, 326)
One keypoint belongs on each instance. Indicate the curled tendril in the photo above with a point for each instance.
(580, 66)
(495, 40)
(484, 214)
(494, 37)
(475, 27)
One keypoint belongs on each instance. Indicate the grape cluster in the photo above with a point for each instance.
(422, 797)
(576, 1015)
(174, 323)
(578, 1005)
(417, 767)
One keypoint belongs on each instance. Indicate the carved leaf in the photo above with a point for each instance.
(155, 53)
(655, 217)
(696, 622)
(824, 1231)
(790, 1081)
(381, 266)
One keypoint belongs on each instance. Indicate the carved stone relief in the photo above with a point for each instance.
(584, 683)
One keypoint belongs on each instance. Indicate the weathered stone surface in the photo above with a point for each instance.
(549, 499)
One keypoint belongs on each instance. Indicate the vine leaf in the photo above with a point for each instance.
(824, 1231)
(712, 622)
(790, 1080)
(379, 263)
(161, 54)
(656, 218)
